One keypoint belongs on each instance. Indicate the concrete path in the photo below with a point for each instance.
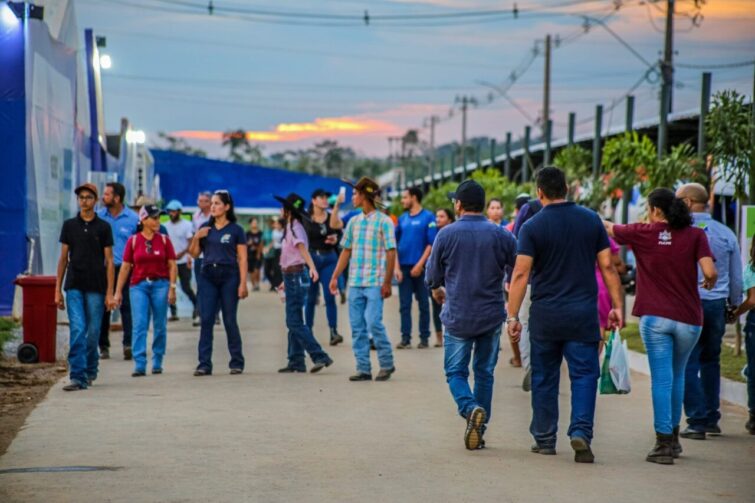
(266, 437)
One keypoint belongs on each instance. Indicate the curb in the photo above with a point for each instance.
(731, 391)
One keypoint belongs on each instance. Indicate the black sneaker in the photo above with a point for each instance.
(157, 371)
(423, 344)
(361, 376)
(750, 424)
(473, 432)
(335, 337)
(138, 373)
(548, 451)
(327, 362)
(385, 374)
(582, 451)
(202, 373)
(404, 345)
(104, 353)
(235, 372)
(692, 434)
(713, 431)
(290, 370)
(173, 318)
(74, 386)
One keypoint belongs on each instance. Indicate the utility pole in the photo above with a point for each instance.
(433, 120)
(547, 85)
(667, 76)
(465, 102)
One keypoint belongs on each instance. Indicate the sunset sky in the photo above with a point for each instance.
(292, 81)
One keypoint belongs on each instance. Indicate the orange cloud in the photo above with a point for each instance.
(333, 127)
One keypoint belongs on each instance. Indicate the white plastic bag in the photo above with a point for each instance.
(619, 365)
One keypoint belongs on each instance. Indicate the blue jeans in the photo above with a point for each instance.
(325, 264)
(750, 350)
(300, 336)
(366, 316)
(149, 299)
(219, 287)
(703, 375)
(668, 344)
(416, 287)
(85, 310)
(458, 353)
(584, 371)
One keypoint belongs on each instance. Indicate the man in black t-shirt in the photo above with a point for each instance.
(86, 262)
(254, 253)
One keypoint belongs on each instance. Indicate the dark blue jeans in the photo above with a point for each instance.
(219, 286)
(703, 374)
(416, 287)
(300, 337)
(584, 371)
(750, 349)
(458, 352)
(325, 264)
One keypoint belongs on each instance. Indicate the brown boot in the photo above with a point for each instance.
(662, 453)
(676, 447)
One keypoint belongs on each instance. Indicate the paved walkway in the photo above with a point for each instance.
(265, 437)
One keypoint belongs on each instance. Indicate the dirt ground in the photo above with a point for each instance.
(21, 388)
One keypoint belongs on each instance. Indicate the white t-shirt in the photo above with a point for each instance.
(198, 219)
(180, 234)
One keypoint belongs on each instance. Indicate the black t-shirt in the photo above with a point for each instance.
(317, 233)
(253, 241)
(86, 253)
(564, 240)
(219, 247)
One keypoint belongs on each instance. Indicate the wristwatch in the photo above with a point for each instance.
(172, 285)
(512, 318)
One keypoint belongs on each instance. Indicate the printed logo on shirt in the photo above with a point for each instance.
(703, 226)
(664, 238)
(225, 239)
(432, 224)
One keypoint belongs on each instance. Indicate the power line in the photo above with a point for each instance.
(713, 66)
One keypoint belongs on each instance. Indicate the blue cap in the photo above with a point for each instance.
(174, 205)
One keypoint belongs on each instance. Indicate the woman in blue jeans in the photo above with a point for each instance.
(222, 280)
(150, 258)
(298, 274)
(748, 306)
(668, 251)
(322, 229)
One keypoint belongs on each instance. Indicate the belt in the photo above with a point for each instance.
(323, 252)
(218, 265)
(293, 269)
(152, 280)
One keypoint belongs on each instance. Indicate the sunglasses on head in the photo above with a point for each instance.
(221, 191)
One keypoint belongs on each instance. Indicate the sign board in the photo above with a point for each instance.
(748, 231)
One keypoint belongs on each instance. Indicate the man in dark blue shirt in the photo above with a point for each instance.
(560, 246)
(415, 233)
(465, 272)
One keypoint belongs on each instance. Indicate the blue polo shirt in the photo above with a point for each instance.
(219, 247)
(124, 226)
(563, 240)
(413, 234)
(723, 244)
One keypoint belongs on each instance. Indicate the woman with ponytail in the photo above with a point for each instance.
(222, 280)
(668, 251)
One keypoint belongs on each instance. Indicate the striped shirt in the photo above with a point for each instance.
(368, 237)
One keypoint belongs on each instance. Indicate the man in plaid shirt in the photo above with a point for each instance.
(369, 244)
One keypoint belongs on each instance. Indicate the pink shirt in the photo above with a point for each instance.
(294, 235)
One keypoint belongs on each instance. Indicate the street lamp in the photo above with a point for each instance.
(105, 62)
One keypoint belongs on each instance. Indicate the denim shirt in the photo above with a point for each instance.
(470, 258)
(124, 226)
(723, 244)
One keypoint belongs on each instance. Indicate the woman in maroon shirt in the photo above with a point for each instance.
(668, 251)
(151, 259)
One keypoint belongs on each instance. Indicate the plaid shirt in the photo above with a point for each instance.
(368, 237)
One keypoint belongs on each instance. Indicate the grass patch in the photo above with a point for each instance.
(731, 365)
(6, 327)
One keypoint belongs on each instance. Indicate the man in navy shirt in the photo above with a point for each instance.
(415, 233)
(559, 247)
(465, 272)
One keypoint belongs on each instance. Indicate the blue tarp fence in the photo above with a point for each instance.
(252, 187)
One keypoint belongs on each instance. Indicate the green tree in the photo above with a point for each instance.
(576, 162)
(176, 144)
(240, 149)
(731, 141)
(627, 159)
(682, 164)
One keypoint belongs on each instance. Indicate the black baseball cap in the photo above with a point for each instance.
(319, 193)
(470, 193)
